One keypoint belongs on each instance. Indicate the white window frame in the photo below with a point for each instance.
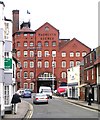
(63, 54)
(63, 75)
(25, 85)
(46, 53)
(18, 53)
(71, 63)
(25, 64)
(77, 54)
(25, 74)
(83, 54)
(63, 64)
(31, 74)
(31, 53)
(39, 64)
(46, 64)
(25, 53)
(25, 44)
(39, 53)
(53, 53)
(31, 64)
(77, 62)
(71, 54)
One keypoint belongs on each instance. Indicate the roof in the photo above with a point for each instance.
(25, 29)
(47, 24)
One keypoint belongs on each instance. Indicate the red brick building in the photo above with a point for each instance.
(44, 57)
(90, 74)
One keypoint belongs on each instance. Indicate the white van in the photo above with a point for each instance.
(46, 90)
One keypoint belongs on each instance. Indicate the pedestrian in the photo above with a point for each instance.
(89, 98)
(15, 99)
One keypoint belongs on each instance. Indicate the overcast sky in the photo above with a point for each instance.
(73, 18)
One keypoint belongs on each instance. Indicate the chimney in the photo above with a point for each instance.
(15, 15)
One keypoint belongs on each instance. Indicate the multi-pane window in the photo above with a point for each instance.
(6, 91)
(63, 75)
(25, 53)
(39, 64)
(46, 64)
(18, 53)
(25, 85)
(39, 44)
(90, 57)
(92, 74)
(6, 54)
(25, 74)
(53, 53)
(71, 63)
(18, 74)
(87, 75)
(63, 54)
(71, 54)
(77, 54)
(83, 54)
(25, 44)
(25, 64)
(63, 64)
(31, 74)
(46, 53)
(25, 34)
(78, 62)
(53, 43)
(31, 44)
(31, 34)
(54, 64)
(18, 44)
(39, 54)
(31, 64)
(46, 43)
(32, 86)
(31, 53)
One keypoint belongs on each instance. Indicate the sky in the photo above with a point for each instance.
(73, 18)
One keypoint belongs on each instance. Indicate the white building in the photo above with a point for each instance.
(2, 43)
(9, 66)
(7, 63)
(73, 75)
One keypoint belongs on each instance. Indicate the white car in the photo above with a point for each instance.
(40, 98)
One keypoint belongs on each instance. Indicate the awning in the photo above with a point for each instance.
(82, 85)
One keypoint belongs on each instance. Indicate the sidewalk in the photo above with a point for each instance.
(23, 109)
(93, 106)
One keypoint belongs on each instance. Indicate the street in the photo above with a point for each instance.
(59, 108)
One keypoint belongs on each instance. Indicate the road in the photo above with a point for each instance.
(57, 108)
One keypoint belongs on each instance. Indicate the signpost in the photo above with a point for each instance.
(8, 63)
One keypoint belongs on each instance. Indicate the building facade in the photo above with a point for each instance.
(44, 58)
(90, 74)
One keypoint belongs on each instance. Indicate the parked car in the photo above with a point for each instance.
(26, 94)
(40, 98)
(61, 92)
(20, 92)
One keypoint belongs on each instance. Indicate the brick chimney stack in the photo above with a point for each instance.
(15, 15)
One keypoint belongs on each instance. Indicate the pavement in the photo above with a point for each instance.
(25, 109)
